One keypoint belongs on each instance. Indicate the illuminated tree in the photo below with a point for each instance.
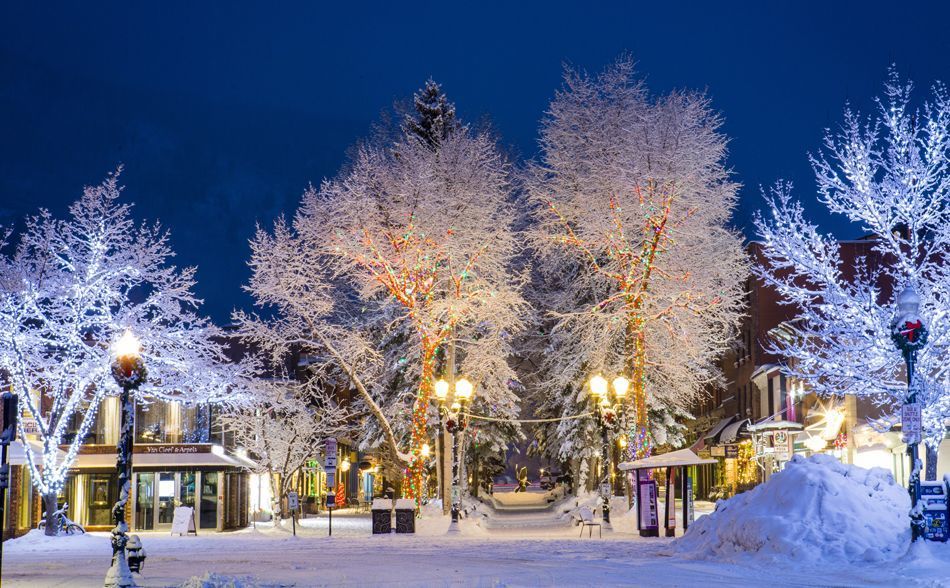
(642, 275)
(283, 428)
(67, 291)
(890, 175)
(430, 231)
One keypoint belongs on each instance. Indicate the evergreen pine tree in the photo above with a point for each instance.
(434, 117)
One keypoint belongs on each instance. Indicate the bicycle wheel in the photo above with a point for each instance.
(74, 528)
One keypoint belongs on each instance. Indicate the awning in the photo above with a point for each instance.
(171, 460)
(731, 433)
(710, 437)
(776, 426)
(16, 453)
(673, 459)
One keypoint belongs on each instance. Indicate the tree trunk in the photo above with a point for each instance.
(931, 474)
(50, 501)
(275, 490)
(412, 483)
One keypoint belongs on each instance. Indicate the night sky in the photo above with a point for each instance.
(222, 112)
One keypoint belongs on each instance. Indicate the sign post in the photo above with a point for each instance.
(293, 502)
(329, 465)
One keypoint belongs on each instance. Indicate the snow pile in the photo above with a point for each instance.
(816, 508)
(36, 540)
(212, 580)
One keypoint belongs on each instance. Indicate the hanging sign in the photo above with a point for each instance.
(732, 451)
(910, 423)
(184, 521)
(783, 449)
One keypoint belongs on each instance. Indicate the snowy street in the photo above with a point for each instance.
(535, 555)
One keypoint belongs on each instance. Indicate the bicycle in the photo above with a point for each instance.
(64, 523)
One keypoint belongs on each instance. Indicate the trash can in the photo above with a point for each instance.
(135, 553)
(382, 516)
(405, 516)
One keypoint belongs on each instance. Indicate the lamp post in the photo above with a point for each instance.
(607, 408)
(129, 373)
(456, 422)
(910, 335)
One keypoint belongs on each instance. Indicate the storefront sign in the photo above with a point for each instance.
(732, 451)
(717, 451)
(30, 427)
(171, 448)
(704, 454)
(910, 423)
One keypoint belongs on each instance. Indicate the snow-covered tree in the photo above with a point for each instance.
(427, 233)
(889, 174)
(281, 431)
(68, 289)
(637, 267)
(434, 117)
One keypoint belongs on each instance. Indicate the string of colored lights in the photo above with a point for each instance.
(635, 266)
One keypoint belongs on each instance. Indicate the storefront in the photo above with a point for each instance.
(200, 476)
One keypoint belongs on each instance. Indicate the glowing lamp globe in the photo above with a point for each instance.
(456, 406)
(441, 389)
(464, 390)
(599, 386)
(345, 465)
(621, 386)
(425, 450)
(127, 346)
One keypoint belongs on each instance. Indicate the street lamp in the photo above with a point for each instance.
(129, 373)
(607, 409)
(457, 421)
(910, 335)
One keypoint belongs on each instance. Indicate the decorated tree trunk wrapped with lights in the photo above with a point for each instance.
(639, 268)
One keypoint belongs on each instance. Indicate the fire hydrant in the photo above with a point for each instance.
(136, 554)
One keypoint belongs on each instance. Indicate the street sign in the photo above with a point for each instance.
(329, 462)
(293, 500)
(910, 423)
(783, 449)
(732, 451)
(605, 489)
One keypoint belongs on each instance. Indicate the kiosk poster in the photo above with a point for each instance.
(648, 511)
(689, 499)
(670, 515)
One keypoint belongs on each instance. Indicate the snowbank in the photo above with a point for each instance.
(36, 540)
(816, 509)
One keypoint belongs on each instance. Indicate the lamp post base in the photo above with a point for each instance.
(454, 528)
(119, 575)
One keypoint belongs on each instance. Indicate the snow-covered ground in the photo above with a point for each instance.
(477, 557)
(497, 547)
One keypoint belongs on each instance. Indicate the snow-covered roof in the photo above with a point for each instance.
(146, 460)
(679, 458)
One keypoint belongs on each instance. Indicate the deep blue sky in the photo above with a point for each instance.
(222, 112)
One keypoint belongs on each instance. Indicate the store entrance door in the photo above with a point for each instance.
(159, 493)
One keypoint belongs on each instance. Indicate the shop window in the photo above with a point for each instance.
(101, 494)
(196, 424)
(25, 508)
(209, 500)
